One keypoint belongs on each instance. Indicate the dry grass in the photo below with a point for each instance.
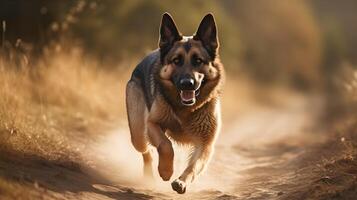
(60, 83)
(47, 109)
(331, 172)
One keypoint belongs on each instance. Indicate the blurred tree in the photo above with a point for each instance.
(280, 39)
(272, 40)
(121, 28)
(30, 20)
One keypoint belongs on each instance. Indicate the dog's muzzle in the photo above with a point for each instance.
(188, 93)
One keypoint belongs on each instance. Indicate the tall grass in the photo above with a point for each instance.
(48, 103)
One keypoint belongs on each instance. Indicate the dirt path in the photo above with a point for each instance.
(257, 156)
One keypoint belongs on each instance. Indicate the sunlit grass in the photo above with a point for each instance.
(44, 105)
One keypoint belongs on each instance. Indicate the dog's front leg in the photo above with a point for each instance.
(197, 163)
(164, 148)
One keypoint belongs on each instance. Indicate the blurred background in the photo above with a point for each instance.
(309, 45)
(291, 78)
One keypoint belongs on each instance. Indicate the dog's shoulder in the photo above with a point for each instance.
(145, 67)
(144, 73)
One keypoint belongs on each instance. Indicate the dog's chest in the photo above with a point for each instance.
(200, 124)
(183, 125)
(172, 123)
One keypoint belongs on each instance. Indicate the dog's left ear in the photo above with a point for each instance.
(207, 34)
(168, 32)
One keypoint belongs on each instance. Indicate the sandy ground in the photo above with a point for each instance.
(262, 154)
(257, 156)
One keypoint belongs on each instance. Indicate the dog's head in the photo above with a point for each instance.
(189, 63)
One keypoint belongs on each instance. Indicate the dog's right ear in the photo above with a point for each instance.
(168, 32)
(207, 34)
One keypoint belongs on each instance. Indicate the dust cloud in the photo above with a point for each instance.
(252, 140)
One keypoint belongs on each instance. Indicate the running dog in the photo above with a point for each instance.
(174, 95)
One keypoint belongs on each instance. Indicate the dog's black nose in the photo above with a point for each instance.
(187, 84)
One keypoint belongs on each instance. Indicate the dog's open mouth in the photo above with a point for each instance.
(188, 97)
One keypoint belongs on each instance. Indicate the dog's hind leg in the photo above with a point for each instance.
(137, 114)
(147, 157)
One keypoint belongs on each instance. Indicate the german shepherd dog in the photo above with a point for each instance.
(174, 94)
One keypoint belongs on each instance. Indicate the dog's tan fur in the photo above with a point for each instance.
(156, 116)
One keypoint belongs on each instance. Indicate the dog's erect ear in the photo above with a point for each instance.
(207, 34)
(168, 32)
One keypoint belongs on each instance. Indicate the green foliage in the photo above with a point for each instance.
(270, 40)
(122, 28)
(299, 41)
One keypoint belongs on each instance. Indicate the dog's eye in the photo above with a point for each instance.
(197, 61)
(176, 61)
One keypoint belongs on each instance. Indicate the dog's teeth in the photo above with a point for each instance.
(188, 97)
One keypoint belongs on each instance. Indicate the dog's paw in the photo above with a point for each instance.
(165, 174)
(179, 186)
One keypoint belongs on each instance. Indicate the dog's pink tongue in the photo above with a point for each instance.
(187, 95)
